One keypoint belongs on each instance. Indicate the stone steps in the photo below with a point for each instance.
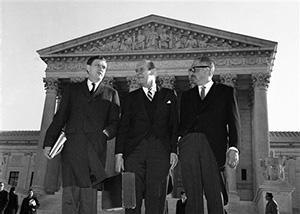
(51, 204)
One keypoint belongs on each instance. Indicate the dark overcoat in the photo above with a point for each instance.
(13, 204)
(28, 208)
(84, 117)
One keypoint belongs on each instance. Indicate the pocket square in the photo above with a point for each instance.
(169, 102)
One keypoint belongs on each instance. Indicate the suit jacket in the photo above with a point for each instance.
(13, 205)
(180, 207)
(85, 117)
(272, 207)
(211, 116)
(136, 124)
(28, 208)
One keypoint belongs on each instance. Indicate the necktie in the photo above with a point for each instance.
(202, 93)
(93, 88)
(149, 94)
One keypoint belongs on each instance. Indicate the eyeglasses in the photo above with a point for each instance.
(193, 69)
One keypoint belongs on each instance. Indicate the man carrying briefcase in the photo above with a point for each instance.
(146, 139)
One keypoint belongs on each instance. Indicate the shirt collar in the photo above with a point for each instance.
(89, 83)
(153, 89)
(207, 86)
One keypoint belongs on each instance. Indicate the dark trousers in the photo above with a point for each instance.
(150, 162)
(200, 174)
(76, 200)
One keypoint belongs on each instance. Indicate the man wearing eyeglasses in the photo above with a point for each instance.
(209, 134)
(89, 111)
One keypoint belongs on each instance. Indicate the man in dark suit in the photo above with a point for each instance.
(209, 132)
(181, 203)
(13, 204)
(30, 204)
(89, 111)
(147, 137)
(3, 198)
(271, 206)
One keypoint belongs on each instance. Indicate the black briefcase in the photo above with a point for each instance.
(119, 192)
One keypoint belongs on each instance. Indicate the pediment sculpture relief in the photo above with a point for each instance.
(156, 37)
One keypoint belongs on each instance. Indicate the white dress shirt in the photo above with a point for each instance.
(153, 90)
(90, 86)
(207, 87)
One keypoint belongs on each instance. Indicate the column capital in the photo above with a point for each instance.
(132, 83)
(109, 81)
(260, 80)
(167, 81)
(51, 84)
(229, 79)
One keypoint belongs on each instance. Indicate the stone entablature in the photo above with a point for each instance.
(164, 61)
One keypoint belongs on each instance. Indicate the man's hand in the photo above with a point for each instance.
(46, 152)
(119, 163)
(232, 158)
(173, 160)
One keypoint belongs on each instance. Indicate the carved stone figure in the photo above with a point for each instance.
(140, 43)
(178, 43)
(202, 43)
(191, 42)
(152, 38)
(126, 43)
(163, 39)
(116, 44)
(273, 167)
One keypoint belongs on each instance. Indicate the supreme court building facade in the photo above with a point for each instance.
(242, 61)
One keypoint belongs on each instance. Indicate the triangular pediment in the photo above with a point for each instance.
(156, 34)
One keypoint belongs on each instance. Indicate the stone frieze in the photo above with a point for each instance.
(155, 36)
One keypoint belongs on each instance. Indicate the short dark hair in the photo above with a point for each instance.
(269, 194)
(91, 59)
(12, 189)
(150, 65)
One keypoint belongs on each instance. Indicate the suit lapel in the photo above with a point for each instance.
(140, 101)
(85, 88)
(197, 97)
(159, 96)
(99, 90)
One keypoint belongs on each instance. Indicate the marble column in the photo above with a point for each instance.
(230, 80)
(28, 156)
(260, 127)
(40, 170)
